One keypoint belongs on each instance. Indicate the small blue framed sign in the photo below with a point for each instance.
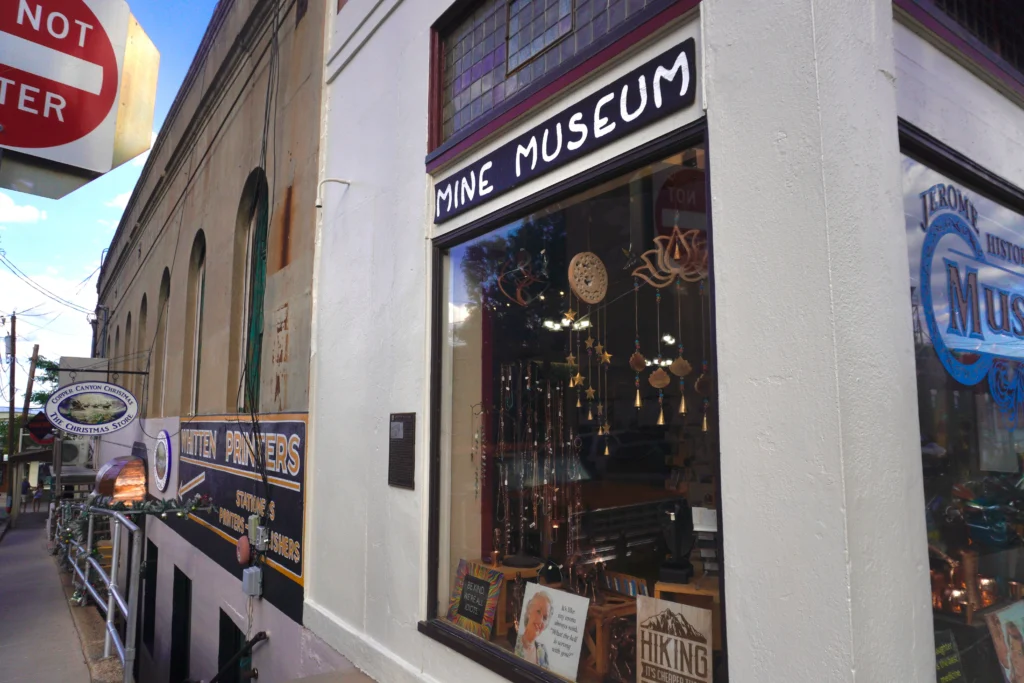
(92, 408)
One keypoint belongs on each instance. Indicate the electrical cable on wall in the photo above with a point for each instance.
(198, 166)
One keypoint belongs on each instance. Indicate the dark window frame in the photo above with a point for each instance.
(491, 656)
(938, 156)
(599, 52)
(928, 15)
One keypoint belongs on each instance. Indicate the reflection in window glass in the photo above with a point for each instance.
(583, 438)
(967, 293)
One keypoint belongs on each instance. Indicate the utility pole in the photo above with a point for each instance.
(31, 379)
(10, 415)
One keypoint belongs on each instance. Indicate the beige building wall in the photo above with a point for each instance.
(196, 181)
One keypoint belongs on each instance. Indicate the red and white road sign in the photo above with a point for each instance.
(58, 72)
(681, 201)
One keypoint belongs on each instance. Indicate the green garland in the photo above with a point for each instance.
(77, 529)
(198, 503)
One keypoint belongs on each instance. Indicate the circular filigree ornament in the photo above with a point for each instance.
(588, 277)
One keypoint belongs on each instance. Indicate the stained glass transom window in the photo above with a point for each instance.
(503, 46)
(999, 24)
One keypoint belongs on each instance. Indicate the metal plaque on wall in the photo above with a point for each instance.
(402, 451)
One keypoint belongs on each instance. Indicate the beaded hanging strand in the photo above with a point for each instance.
(636, 361)
(704, 355)
(658, 361)
(549, 455)
(577, 379)
(474, 419)
(590, 369)
(521, 457)
(531, 442)
(504, 407)
(555, 443)
(603, 412)
(679, 343)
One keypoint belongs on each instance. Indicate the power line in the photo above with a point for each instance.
(81, 285)
(198, 167)
(18, 273)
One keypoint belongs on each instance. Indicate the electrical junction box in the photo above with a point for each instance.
(252, 581)
(259, 536)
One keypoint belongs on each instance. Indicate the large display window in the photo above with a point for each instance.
(967, 294)
(577, 457)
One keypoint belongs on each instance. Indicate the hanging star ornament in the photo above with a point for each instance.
(589, 341)
(570, 359)
(577, 381)
(599, 347)
(606, 358)
(591, 392)
(570, 315)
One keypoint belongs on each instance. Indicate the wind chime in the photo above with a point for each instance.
(703, 383)
(680, 257)
(680, 366)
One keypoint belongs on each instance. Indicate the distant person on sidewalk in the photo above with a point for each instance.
(25, 488)
(37, 498)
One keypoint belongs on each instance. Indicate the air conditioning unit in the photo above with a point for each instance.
(76, 451)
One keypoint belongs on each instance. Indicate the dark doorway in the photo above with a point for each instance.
(231, 641)
(144, 590)
(149, 596)
(181, 627)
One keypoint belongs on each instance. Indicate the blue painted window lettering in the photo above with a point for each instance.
(968, 284)
(966, 261)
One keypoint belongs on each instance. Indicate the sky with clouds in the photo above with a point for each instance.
(58, 244)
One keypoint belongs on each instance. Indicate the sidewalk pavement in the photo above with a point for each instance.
(38, 640)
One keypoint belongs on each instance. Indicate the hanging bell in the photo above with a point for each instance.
(637, 403)
(590, 414)
(578, 404)
(661, 417)
(606, 448)
(682, 405)
(704, 424)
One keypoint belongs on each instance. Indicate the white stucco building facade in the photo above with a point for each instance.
(804, 121)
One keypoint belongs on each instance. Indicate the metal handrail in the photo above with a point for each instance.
(115, 602)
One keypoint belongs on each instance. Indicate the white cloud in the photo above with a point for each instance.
(110, 225)
(12, 212)
(62, 332)
(120, 201)
(141, 159)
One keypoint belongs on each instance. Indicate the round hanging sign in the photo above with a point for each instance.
(588, 277)
(92, 408)
(162, 459)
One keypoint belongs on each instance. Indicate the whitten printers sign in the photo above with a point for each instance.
(77, 87)
(217, 457)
